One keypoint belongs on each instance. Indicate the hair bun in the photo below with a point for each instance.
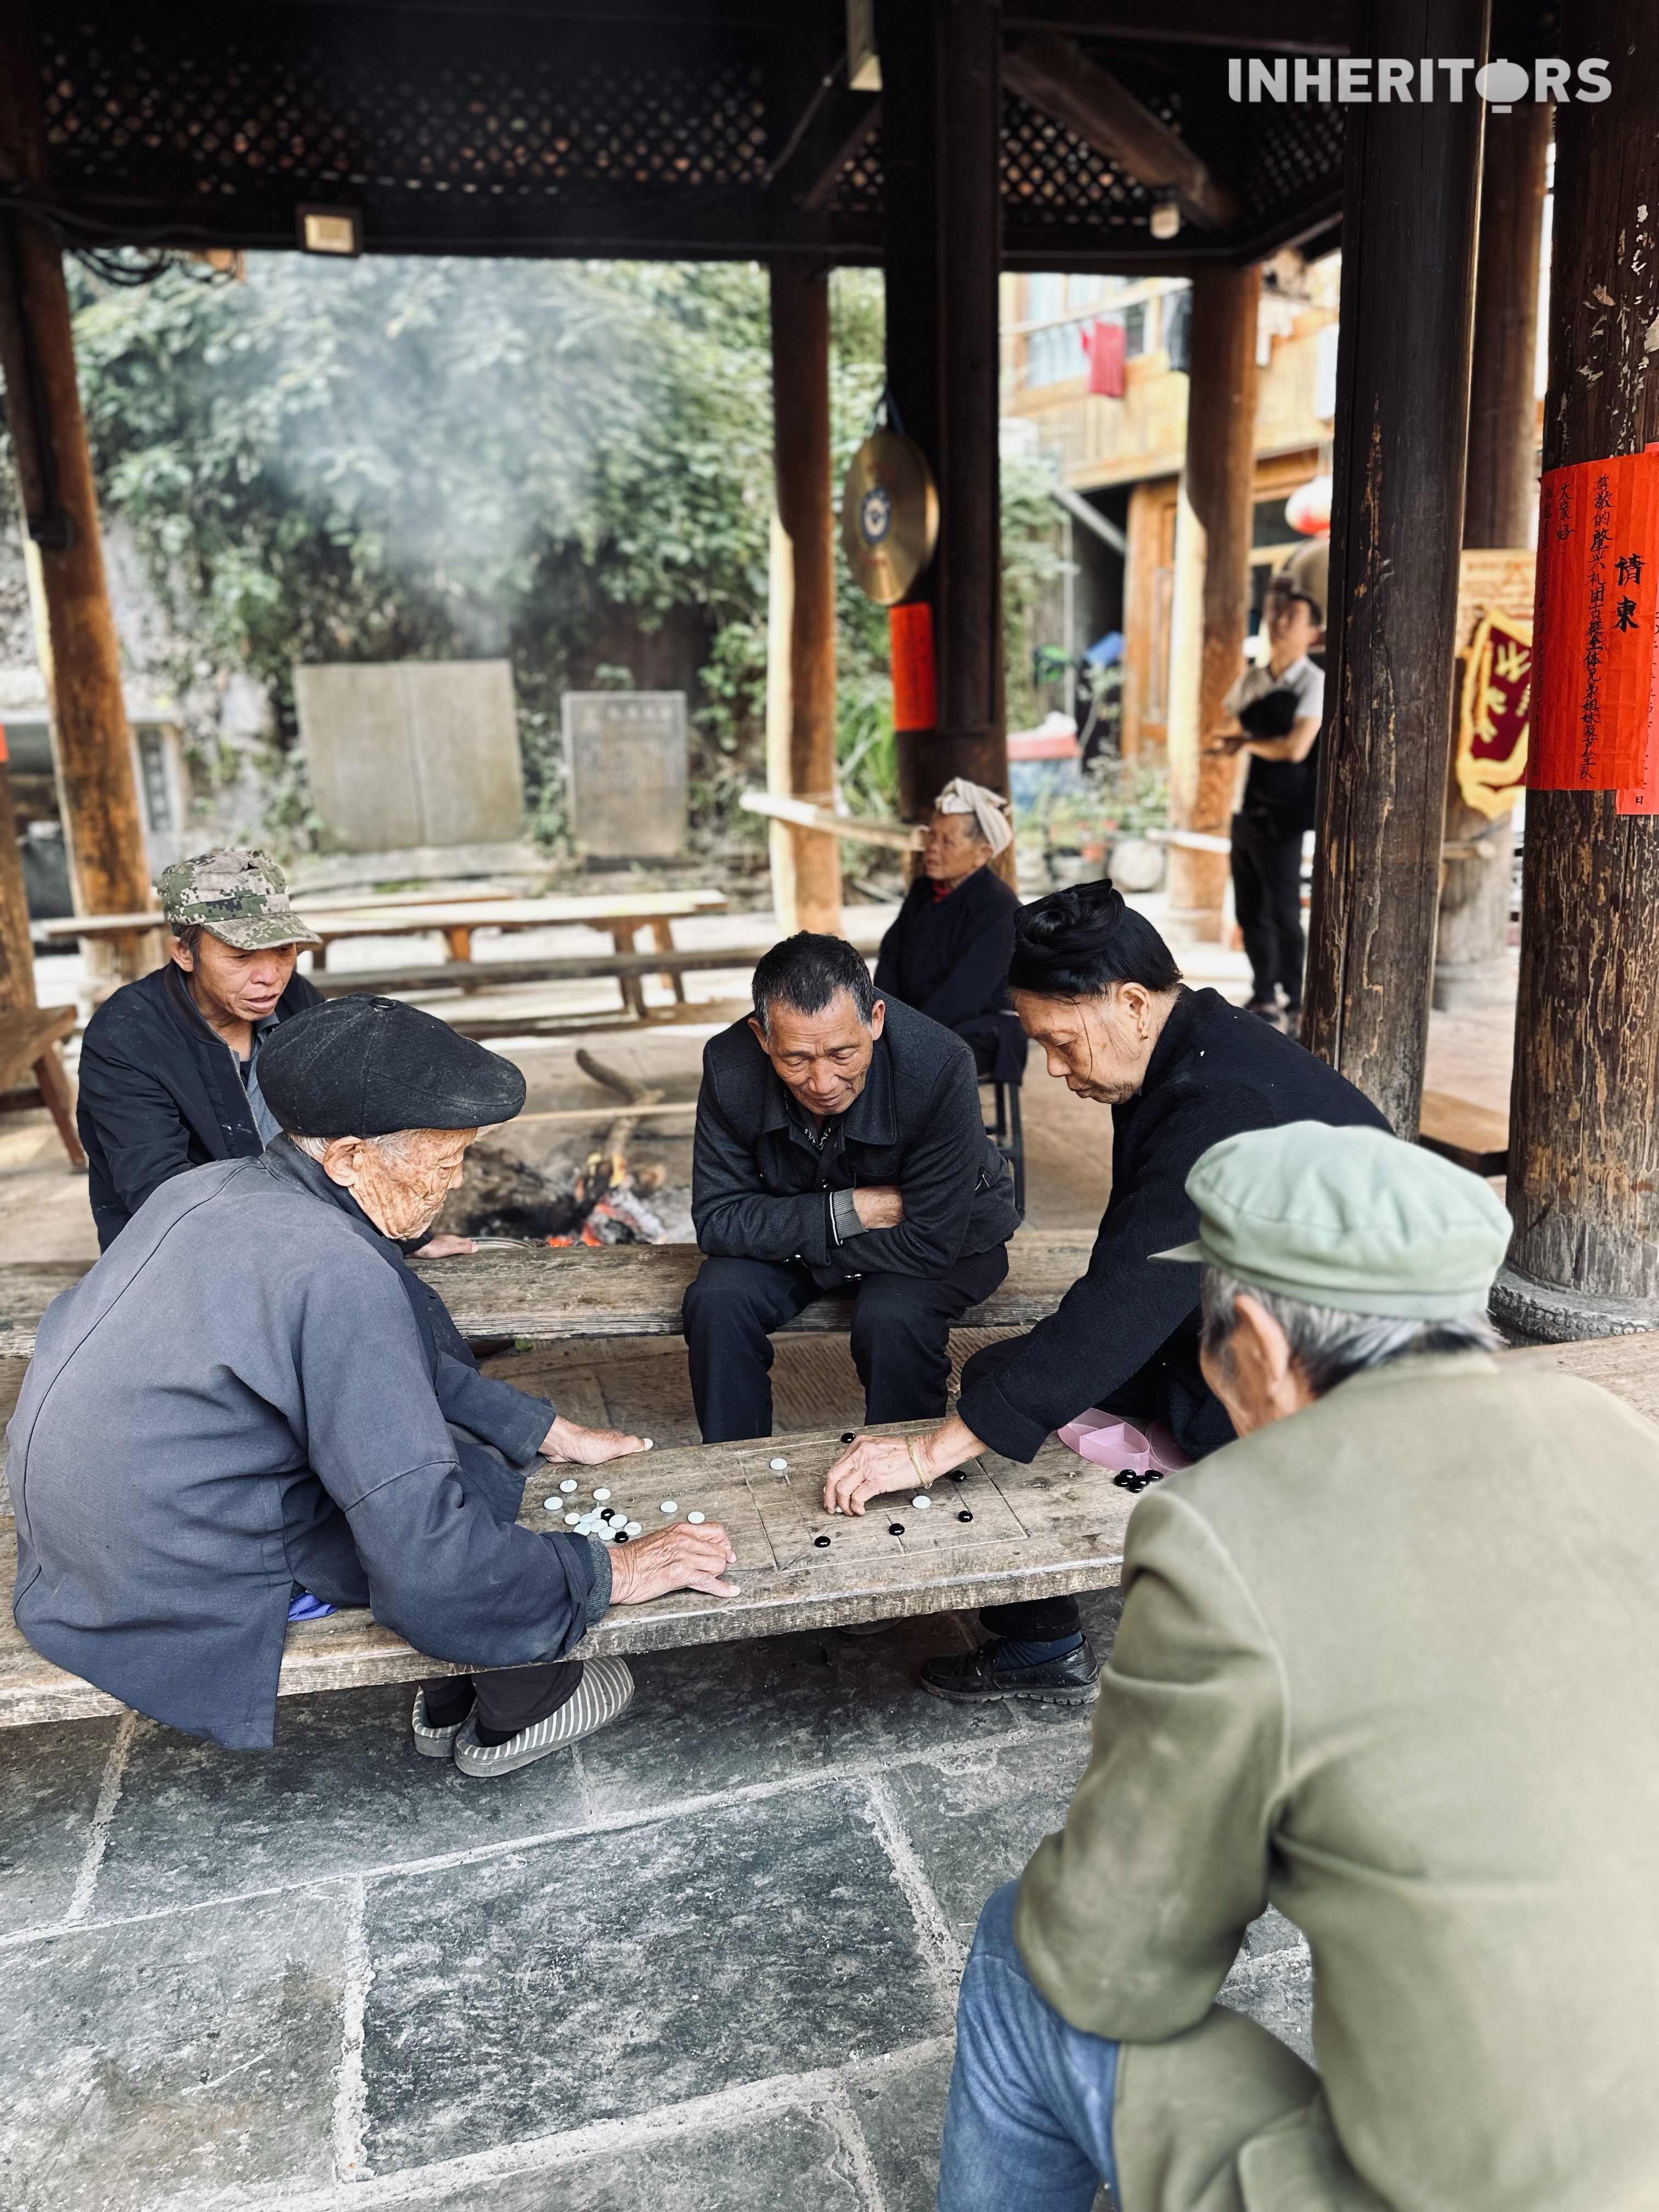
(1079, 942)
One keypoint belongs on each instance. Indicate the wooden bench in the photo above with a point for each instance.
(1036, 1531)
(1056, 1525)
(1472, 1136)
(535, 1295)
(29, 1037)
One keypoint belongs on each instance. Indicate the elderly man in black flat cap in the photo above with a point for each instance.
(251, 1411)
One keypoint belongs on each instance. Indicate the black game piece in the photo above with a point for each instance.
(895, 1527)
(958, 1474)
(964, 1516)
(822, 1542)
(847, 1436)
(622, 1536)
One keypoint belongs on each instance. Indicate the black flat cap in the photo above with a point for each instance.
(361, 1067)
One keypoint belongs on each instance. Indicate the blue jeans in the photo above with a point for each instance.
(1028, 2126)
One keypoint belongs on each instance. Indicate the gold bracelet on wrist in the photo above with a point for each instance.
(925, 1480)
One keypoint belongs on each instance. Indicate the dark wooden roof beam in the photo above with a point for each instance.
(1057, 78)
(1291, 27)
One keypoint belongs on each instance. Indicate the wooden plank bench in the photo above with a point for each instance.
(29, 1037)
(1471, 1136)
(535, 1294)
(1055, 1527)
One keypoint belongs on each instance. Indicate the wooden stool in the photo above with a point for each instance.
(28, 1038)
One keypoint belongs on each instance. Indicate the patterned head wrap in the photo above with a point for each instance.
(988, 808)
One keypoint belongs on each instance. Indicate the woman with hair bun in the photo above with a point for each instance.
(1096, 988)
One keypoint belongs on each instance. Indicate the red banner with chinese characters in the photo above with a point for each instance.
(1642, 798)
(1593, 629)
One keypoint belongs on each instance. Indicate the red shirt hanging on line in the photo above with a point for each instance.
(1103, 343)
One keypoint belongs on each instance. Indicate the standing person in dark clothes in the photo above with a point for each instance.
(1276, 711)
(947, 953)
(251, 1411)
(1095, 985)
(839, 1146)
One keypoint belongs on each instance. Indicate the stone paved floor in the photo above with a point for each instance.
(705, 1961)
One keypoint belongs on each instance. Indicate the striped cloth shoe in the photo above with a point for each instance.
(606, 1689)
(432, 1742)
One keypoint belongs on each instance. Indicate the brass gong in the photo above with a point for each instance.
(888, 516)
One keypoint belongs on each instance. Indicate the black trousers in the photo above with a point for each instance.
(1046, 1619)
(1268, 899)
(901, 1337)
(508, 1698)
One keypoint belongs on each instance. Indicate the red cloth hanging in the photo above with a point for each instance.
(1103, 343)
(910, 644)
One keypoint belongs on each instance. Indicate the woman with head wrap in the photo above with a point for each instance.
(1094, 985)
(947, 954)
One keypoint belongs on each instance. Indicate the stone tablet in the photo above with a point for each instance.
(625, 767)
(411, 753)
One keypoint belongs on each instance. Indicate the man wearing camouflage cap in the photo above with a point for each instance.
(169, 1068)
(1389, 1662)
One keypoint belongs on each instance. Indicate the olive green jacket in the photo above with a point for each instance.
(1393, 1665)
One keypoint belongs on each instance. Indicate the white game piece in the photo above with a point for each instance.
(573, 1520)
(694, 1518)
(552, 1505)
(777, 1466)
(670, 1506)
(604, 1497)
(921, 1505)
(634, 1528)
(567, 1485)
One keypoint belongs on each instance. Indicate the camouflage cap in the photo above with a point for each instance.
(239, 896)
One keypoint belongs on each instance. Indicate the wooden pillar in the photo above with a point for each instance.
(800, 430)
(1212, 584)
(1408, 226)
(910, 100)
(971, 738)
(1584, 1182)
(1471, 958)
(102, 825)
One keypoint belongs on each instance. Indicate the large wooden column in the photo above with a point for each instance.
(909, 160)
(1212, 585)
(971, 739)
(800, 430)
(1408, 226)
(1471, 960)
(1583, 1184)
(102, 826)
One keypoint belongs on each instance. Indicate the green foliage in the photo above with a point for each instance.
(566, 463)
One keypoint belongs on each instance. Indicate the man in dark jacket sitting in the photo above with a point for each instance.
(169, 1069)
(251, 1411)
(839, 1146)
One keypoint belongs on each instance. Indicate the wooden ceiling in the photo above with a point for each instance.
(663, 129)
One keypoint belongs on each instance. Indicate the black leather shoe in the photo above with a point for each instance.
(976, 1679)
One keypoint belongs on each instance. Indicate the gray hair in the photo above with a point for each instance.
(395, 1147)
(1327, 1343)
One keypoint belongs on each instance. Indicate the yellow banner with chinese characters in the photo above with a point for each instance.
(1493, 725)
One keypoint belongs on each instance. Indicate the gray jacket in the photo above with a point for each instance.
(249, 1391)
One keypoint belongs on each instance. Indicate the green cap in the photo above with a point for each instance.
(1352, 1219)
(240, 897)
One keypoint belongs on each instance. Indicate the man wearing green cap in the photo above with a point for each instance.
(1389, 1663)
(169, 1068)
